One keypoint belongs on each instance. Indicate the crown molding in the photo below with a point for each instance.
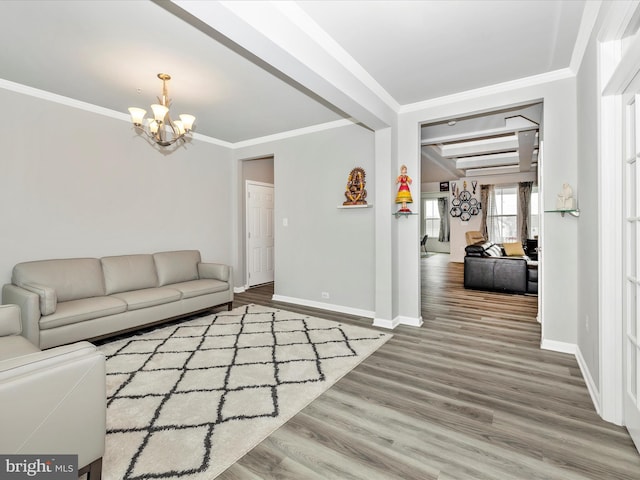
(69, 102)
(294, 133)
(107, 112)
(531, 81)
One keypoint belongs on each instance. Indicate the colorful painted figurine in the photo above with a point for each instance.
(404, 193)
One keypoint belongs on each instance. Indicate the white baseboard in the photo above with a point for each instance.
(382, 323)
(324, 306)
(594, 392)
(562, 347)
(409, 321)
(239, 289)
(399, 320)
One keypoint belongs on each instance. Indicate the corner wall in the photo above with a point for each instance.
(588, 320)
(322, 248)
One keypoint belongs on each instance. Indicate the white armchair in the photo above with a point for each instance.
(53, 401)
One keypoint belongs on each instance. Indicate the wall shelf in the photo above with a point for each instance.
(573, 212)
(347, 207)
(403, 214)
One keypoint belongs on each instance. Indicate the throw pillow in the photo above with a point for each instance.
(513, 249)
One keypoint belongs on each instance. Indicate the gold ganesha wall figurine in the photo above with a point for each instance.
(355, 191)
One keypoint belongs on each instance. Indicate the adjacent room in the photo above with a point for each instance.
(320, 239)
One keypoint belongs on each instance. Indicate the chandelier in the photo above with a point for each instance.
(161, 129)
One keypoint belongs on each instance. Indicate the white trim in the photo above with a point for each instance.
(293, 133)
(555, 346)
(588, 379)
(324, 306)
(241, 289)
(610, 188)
(382, 323)
(69, 102)
(533, 80)
(409, 321)
(107, 112)
(89, 107)
(206, 139)
(589, 17)
(302, 20)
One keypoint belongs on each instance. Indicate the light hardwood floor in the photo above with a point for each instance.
(468, 396)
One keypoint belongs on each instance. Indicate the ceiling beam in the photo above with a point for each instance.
(512, 125)
(482, 147)
(527, 144)
(431, 153)
(478, 172)
(282, 39)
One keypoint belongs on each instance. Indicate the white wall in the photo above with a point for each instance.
(75, 183)
(559, 243)
(324, 248)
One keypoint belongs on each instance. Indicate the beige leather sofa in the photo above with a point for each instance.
(68, 300)
(53, 401)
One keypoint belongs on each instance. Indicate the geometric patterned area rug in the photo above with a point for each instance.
(188, 400)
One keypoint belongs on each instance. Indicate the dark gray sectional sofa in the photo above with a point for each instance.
(486, 267)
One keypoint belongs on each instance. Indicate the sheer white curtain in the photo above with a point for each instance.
(491, 226)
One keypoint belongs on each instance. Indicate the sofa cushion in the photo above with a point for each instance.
(125, 273)
(71, 278)
(177, 266)
(15, 346)
(513, 249)
(196, 288)
(148, 297)
(10, 321)
(75, 311)
(493, 250)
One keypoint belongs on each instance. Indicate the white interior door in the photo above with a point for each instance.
(631, 324)
(260, 239)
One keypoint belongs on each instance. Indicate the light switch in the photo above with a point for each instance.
(285, 222)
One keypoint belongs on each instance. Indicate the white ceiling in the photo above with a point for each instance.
(107, 53)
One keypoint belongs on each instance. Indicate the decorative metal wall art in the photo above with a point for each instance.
(464, 203)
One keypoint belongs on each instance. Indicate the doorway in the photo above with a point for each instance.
(631, 225)
(260, 238)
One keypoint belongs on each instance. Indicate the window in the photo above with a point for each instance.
(502, 216)
(431, 218)
(502, 219)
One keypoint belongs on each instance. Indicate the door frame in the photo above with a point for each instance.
(246, 226)
(614, 77)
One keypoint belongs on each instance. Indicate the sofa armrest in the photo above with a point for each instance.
(29, 304)
(10, 320)
(217, 271)
(47, 295)
(54, 401)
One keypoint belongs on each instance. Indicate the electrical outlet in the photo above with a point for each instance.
(586, 322)
(325, 294)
